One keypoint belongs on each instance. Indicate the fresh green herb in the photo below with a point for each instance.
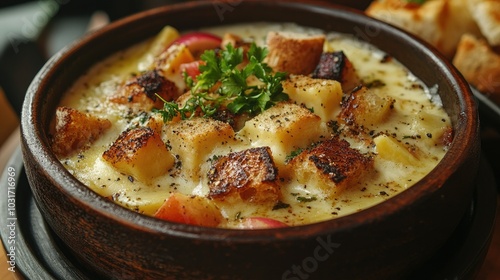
(222, 69)
(293, 154)
(280, 205)
(306, 199)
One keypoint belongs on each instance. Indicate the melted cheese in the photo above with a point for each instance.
(417, 120)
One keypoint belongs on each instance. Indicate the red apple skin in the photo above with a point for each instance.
(198, 42)
(192, 69)
(192, 210)
(260, 223)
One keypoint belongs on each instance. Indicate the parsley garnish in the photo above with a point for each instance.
(306, 199)
(221, 71)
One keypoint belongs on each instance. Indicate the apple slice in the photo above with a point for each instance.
(260, 223)
(198, 42)
(192, 69)
(187, 209)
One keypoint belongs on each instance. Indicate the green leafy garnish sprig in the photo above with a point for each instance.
(222, 81)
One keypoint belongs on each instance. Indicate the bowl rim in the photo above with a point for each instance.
(35, 141)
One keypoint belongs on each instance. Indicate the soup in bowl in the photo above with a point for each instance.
(328, 137)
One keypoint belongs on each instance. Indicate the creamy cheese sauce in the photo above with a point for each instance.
(418, 119)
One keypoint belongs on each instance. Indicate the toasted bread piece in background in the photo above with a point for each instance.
(480, 65)
(294, 53)
(487, 16)
(439, 22)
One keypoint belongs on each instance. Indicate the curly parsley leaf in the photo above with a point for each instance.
(223, 69)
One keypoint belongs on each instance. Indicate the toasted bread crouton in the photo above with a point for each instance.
(332, 165)
(336, 66)
(439, 22)
(140, 153)
(75, 130)
(142, 90)
(294, 53)
(249, 175)
(480, 65)
(323, 96)
(487, 16)
(364, 108)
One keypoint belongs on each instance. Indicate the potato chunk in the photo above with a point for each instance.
(75, 130)
(249, 175)
(333, 166)
(365, 108)
(390, 149)
(284, 128)
(194, 139)
(294, 53)
(140, 153)
(321, 95)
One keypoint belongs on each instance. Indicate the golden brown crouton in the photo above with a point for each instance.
(480, 65)
(142, 90)
(336, 66)
(332, 165)
(487, 16)
(294, 53)
(141, 153)
(75, 130)
(439, 22)
(249, 175)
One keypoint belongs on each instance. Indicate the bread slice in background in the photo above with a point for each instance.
(480, 65)
(486, 13)
(439, 22)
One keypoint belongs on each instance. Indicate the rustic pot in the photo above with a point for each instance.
(389, 240)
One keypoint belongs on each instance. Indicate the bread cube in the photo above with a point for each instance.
(336, 66)
(365, 108)
(487, 16)
(332, 166)
(294, 53)
(140, 153)
(142, 91)
(480, 65)
(248, 176)
(391, 149)
(194, 139)
(441, 23)
(321, 95)
(284, 127)
(75, 130)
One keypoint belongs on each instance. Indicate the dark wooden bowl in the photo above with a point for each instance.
(385, 241)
